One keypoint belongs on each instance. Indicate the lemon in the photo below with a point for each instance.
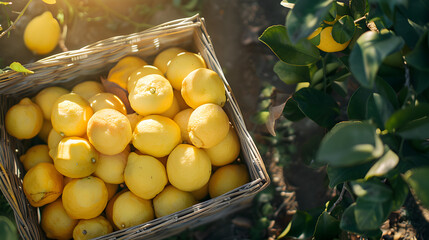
(109, 131)
(203, 86)
(152, 94)
(34, 155)
(163, 58)
(55, 221)
(107, 100)
(139, 73)
(201, 193)
(88, 89)
(145, 175)
(180, 100)
(134, 118)
(156, 135)
(75, 157)
(24, 120)
(172, 200)
(45, 130)
(85, 198)
(92, 228)
(129, 210)
(208, 125)
(42, 184)
(181, 65)
(53, 139)
(226, 151)
(172, 110)
(227, 178)
(120, 73)
(70, 115)
(42, 34)
(50, 1)
(109, 208)
(46, 98)
(110, 168)
(327, 42)
(182, 119)
(188, 168)
(111, 190)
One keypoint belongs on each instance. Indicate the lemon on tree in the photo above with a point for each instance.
(55, 221)
(42, 34)
(327, 42)
(24, 120)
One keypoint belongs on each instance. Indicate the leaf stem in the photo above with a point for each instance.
(340, 198)
(12, 26)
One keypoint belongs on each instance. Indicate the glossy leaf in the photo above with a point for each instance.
(419, 57)
(369, 52)
(344, 29)
(301, 53)
(348, 223)
(378, 109)
(416, 129)
(339, 175)
(349, 144)
(300, 227)
(318, 106)
(401, 117)
(406, 30)
(327, 227)
(385, 164)
(371, 190)
(419, 79)
(416, 11)
(386, 90)
(291, 74)
(358, 8)
(370, 215)
(356, 110)
(292, 111)
(8, 229)
(400, 191)
(418, 180)
(305, 17)
(16, 66)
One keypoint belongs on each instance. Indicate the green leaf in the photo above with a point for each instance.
(292, 111)
(327, 227)
(358, 8)
(301, 53)
(356, 110)
(261, 117)
(418, 180)
(300, 227)
(339, 175)
(291, 74)
(349, 144)
(419, 79)
(318, 106)
(371, 191)
(16, 66)
(385, 164)
(370, 215)
(369, 52)
(344, 29)
(400, 191)
(348, 223)
(8, 229)
(416, 11)
(419, 57)
(305, 17)
(407, 30)
(416, 129)
(378, 109)
(329, 68)
(401, 117)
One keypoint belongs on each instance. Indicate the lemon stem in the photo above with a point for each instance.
(152, 90)
(12, 25)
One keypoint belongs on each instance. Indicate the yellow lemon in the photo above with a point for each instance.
(182, 119)
(111, 190)
(91, 228)
(109, 131)
(203, 86)
(34, 155)
(46, 98)
(181, 65)
(55, 222)
(208, 125)
(172, 110)
(53, 139)
(134, 118)
(327, 42)
(120, 73)
(42, 184)
(226, 151)
(45, 130)
(107, 100)
(227, 178)
(24, 120)
(109, 208)
(152, 94)
(156, 135)
(145, 175)
(180, 100)
(172, 200)
(50, 1)
(139, 73)
(129, 210)
(85, 198)
(188, 168)
(75, 157)
(201, 193)
(42, 34)
(88, 89)
(163, 58)
(110, 168)
(70, 115)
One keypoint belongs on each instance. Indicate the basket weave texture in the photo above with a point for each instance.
(89, 63)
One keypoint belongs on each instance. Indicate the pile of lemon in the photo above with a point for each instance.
(104, 168)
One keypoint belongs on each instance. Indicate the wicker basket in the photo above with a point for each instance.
(89, 63)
